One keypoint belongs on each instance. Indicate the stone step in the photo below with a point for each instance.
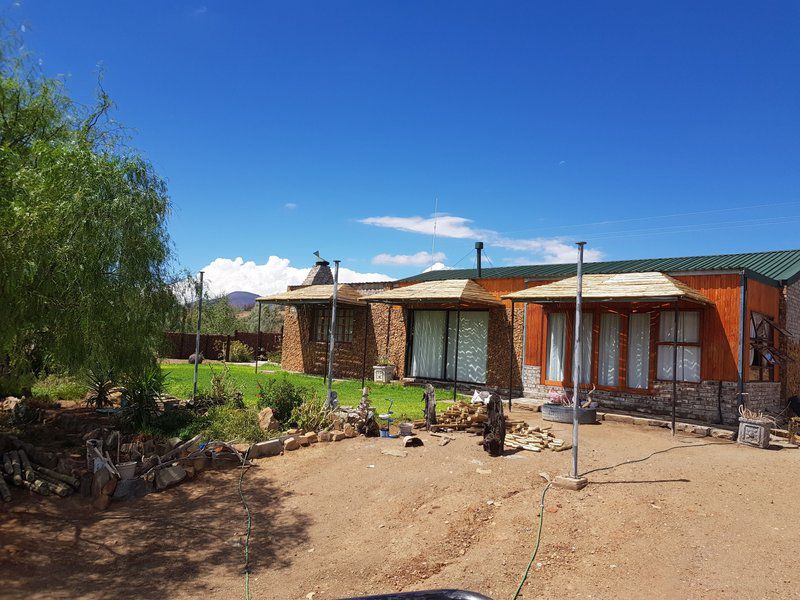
(526, 403)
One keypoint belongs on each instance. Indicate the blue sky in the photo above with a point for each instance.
(283, 128)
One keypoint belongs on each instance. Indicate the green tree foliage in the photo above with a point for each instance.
(271, 319)
(84, 251)
(219, 315)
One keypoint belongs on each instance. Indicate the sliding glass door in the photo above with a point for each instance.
(434, 344)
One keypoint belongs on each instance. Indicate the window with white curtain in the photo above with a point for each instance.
(427, 352)
(608, 356)
(472, 343)
(586, 347)
(556, 338)
(638, 350)
(433, 327)
(685, 342)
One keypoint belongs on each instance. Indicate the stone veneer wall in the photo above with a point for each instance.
(301, 355)
(789, 318)
(498, 349)
(695, 401)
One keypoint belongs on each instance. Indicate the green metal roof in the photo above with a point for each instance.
(778, 267)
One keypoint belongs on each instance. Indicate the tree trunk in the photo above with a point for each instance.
(429, 397)
(494, 430)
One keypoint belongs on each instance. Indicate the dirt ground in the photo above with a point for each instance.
(687, 517)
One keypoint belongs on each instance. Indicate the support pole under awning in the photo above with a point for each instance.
(511, 359)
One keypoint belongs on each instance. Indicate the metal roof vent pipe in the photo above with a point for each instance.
(478, 250)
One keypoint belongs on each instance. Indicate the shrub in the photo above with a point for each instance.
(282, 396)
(274, 357)
(240, 352)
(228, 423)
(311, 414)
(173, 423)
(100, 384)
(237, 351)
(224, 390)
(140, 396)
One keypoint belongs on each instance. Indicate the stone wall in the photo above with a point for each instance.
(790, 320)
(498, 349)
(300, 354)
(694, 401)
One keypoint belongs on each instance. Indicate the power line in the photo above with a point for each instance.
(667, 216)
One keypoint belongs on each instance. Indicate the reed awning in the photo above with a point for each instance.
(620, 287)
(316, 294)
(455, 292)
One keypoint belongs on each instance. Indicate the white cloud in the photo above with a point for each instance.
(545, 250)
(548, 250)
(446, 225)
(290, 206)
(225, 275)
(418, 260)
(438, 267)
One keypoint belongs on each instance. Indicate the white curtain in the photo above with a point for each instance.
(472, 345)
(688, 363)
(608, 359)
(556, 335)
(586, 347)
(428, 351)
(688, 358)
(688, 326)
(638, 350)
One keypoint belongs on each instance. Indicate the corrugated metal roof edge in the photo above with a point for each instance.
(514, 271)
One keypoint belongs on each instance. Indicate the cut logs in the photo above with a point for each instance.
(534, 439)
(461, 416)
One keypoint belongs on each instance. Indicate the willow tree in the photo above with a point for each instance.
(84, 251)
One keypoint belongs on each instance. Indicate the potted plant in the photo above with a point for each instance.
(754, 428)
(559, 408)
(383, 372)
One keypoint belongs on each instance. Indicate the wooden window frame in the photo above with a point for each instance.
(345, 324)
(697, 344)
(624, 312)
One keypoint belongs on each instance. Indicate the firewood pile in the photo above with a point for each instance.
(534, 439)
(32, 468)
(463, 416)
(459, 416)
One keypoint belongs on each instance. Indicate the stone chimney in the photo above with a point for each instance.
(320, 274)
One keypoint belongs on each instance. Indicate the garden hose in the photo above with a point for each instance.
(245, 466)
(538, 541)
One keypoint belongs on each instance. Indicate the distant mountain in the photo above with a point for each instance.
(242, 299)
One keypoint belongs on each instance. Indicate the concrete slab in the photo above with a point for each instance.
(531, 404)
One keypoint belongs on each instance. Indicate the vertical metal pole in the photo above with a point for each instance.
(511, 360)
(455, 361)
(478, 248)
(258, 335)
(364, 353)
(674, 363)
(197, 338)
(742, 347)
(332, 331)
(576, 360)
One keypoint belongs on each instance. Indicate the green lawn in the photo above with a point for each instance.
(407, 400)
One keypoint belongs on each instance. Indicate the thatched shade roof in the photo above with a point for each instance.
(446, 291)
(627, 287)
(316, 294)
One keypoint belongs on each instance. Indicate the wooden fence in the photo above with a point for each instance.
(217, 347)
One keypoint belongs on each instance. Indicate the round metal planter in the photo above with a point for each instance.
(563, 414)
